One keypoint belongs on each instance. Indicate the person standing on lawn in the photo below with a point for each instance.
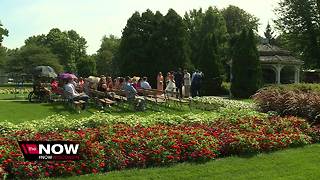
(196, 83)
(160, 82)
(187, 83)
(178, 77)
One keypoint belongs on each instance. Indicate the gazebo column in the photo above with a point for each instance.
(297, 74)
(278, 68)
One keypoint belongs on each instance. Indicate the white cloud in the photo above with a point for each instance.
(94, 18)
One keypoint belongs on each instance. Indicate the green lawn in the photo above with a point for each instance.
(299, 163)
(20, 111)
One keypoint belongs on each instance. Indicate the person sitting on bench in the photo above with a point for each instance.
(73, 94)
(145, 84)
(131, 93)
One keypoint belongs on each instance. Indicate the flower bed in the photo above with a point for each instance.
(215, 103)
(111, 146)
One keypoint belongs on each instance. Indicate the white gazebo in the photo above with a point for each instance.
(284, 67)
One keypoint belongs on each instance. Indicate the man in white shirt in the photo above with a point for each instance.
(72, 94)
(144, 84)
(187, 83)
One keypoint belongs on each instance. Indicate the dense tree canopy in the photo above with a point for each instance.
(299, 24)
(69, 46)
(237, 19)
(28, 57)
(152, 42)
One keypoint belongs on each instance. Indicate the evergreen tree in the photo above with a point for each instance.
(193, 21)
(151, 43)
(269, 34)
(175, 45)
(212, 39)
(131, 50)
(246, 68)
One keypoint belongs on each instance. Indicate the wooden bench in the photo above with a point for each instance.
(153, 95)
(120, 95)
(74, 104)
(101, 99)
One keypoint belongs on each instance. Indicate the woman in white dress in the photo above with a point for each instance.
(171, 86)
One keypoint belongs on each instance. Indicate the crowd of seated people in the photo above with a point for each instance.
(81, 88)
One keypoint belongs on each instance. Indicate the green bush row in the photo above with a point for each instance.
(59, 123)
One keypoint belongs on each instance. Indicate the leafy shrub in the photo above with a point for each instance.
(288, 102)
(215, 103)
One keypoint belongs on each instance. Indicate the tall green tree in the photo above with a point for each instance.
(131, 47)
(193, 21)
(299, 24)
(208, 42)
(237, 19)
(28, 57)
(175, 45)
(68, 46)
(106, 57)
(246, 67)
(3, 32)
(152, 42)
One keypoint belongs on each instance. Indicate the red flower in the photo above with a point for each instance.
(170, 157)
(94, 170)
(102, 164)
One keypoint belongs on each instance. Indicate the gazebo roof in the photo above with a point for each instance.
(270, 54)
(271, 50)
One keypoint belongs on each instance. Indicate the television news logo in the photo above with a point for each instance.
(50, 150)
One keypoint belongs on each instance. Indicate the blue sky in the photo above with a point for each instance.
(93, 19)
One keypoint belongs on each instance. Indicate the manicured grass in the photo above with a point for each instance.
(20, 111)
(298, 163)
